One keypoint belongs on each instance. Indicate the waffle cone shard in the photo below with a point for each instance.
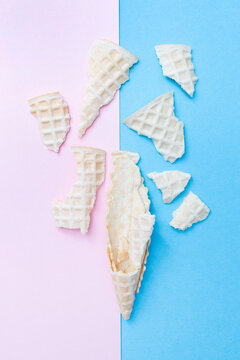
(51, 110)
(74, 212)
(177, 65)
(191, 211)
(108, 69)
(157, 121)
(129, 228)
(171, 183)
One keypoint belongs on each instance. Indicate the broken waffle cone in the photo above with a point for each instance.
(51, 110)
(191, 211)
(129, 228)
(108, 69)
(74, 212)
(158, 122)
(171, 183)
(177, 65)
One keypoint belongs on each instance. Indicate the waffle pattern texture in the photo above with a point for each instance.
(125, 285)
(192, 210)
(129, 228)
(74, 211)
(108, 69)
(52, 113)
(171, 183)
(177, 65)
(157, 121)
(140, 233)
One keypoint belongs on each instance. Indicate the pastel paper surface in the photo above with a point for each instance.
(188, 304)
(57, 298)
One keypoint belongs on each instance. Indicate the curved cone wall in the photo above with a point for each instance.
(108, 69)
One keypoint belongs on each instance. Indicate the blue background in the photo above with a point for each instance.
(189, 302)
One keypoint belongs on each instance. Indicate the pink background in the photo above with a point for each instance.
(57, 300)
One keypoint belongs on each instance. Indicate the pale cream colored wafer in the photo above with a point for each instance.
(129, 228)
(74, 212)
(191, 211)
(51, 110)
(157, 121)
(171, 183)
(108, 69)
(177, 65)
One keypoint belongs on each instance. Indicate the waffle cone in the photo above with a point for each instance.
(191, 211)
(108, 69)
(157, 121)
(129, 228)
(74, 211)
(51, 110)
(171, 183)
(177, 65)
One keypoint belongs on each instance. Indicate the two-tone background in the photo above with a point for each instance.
(56, 296)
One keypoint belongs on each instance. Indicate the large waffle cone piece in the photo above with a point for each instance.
(177, 65)
(129, 228)
(157, 121)
(51, 110)
(191, 211)
(108, 69)
(171, 183)
(74, 212)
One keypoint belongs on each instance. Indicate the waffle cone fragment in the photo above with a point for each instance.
(157, 121)
(191, 211)
(171, 183)
(74, 211)
(129, 228)
(108, 69)
(51, 110)
(177, 65)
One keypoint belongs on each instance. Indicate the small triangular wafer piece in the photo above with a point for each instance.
(171, 183)
(129, 228)
(191, 211)
(177, 65)
(74, 212)
(157, 121)
(51, 110)
(108, 69)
